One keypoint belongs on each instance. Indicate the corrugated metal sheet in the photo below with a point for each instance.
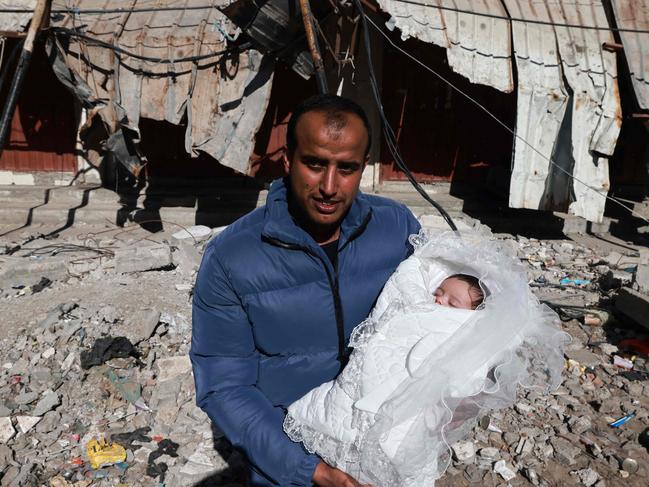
(577, 124)
(477, 47)
(542, 101)
(15, 22)
(634, 14)
(591, 73)
(221, 100)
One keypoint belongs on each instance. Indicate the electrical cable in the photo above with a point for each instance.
(108, 45)
(500, 122)
(523, 20)
(97, 11)
(388, 133)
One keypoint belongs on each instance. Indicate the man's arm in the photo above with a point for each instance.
(225, 363)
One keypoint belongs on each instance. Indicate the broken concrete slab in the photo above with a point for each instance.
(26, 423)
(19, 271)
(172, 367)
(142, 258)
(633, 304)
(186, 258)
(7, 430)
(195, 233)
(142, 325)
(48, 401)
(584, 357)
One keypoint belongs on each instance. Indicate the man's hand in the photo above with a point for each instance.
(326, 476)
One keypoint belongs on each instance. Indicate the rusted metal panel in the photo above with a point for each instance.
(43, 129)
(221, 99)
(591, 73)
(478, 47)
(634, 14)
(542, 103)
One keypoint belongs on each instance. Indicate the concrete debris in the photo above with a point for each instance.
(25, 423)
(196, 233)
(505, 471)
(172, 367)
(142, 396)
(142, 258)
(49, 401)
(7, 430)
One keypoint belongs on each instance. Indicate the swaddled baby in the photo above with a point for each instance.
(429, 359)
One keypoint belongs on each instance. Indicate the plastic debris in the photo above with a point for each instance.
(107, 348)
(635, 345)
(566, 281)
(630, 465)
(501, 468)
(619, 422)
(103, 453)
(127, 439)
(40, 285)
(130, 390)
(622, 362)
(165, 447)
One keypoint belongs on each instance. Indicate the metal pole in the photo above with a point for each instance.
(42, 6)
(312, 41)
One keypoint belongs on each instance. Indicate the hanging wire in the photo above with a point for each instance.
(388, 133)
(98, 42)
(119, 10)
(411, 2)
(498, 120)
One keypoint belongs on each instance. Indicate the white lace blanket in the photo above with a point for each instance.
(421, 373)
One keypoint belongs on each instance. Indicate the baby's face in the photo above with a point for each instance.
(455, 293)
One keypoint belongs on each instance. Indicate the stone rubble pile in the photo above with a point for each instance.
(566, 438)
(103, 394)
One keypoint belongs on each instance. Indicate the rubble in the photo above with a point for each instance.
(101, 354)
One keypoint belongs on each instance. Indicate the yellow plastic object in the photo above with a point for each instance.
(102, 453)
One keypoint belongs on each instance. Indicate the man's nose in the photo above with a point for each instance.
(329, 182)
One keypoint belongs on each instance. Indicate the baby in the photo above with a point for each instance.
(459, 291)
(426, 355)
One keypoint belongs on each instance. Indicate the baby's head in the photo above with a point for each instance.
(459, 291)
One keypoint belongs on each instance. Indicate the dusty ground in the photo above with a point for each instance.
(562, 439)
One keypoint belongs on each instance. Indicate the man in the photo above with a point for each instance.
(280, 290)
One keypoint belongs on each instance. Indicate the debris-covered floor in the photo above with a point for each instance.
(94, 370)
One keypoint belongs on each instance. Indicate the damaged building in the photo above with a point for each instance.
(544, 104)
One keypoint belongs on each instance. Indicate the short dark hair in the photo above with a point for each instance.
(474, 285)
(333, 106)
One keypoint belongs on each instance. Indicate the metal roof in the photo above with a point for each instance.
(634, 14)
(477, 47)
(222, 99)
(568, 99)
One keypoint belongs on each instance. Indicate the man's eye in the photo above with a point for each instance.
(348, 169)
(315, 164)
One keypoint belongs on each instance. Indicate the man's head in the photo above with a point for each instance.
(460, 291)
(328, 144)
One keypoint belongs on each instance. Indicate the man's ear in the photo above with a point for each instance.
(286, 162)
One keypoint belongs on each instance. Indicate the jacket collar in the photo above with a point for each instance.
(280, 225)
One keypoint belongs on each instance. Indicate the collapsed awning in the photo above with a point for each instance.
(168, 60)
(11, 22)
(568, 114)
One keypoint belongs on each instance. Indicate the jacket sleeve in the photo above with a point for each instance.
(225, 363)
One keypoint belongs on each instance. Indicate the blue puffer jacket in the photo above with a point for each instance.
(271, 313)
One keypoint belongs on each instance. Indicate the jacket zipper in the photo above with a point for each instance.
(343, 356)
(333, 285)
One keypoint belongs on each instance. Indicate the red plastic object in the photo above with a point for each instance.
(635, 345)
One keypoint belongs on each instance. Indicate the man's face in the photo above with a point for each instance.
(325, 171)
